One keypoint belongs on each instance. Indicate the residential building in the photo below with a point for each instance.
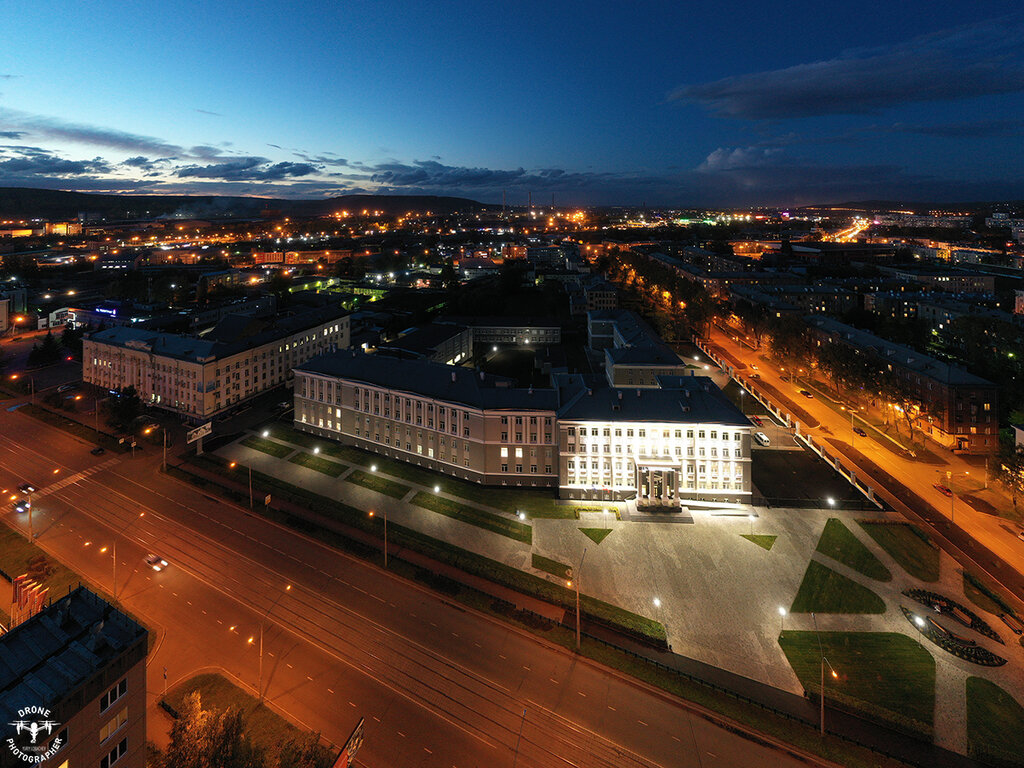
(954, 407)
(198, 377)
(79, 664)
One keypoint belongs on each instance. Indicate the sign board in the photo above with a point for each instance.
(355, 741)
(266, 501)
(198, 432)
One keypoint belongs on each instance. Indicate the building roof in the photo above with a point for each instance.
(899, 355)
(435, 380)
(233, 334)
(679, 399)
(45, 658)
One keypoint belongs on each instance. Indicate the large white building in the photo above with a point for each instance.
(664, 446)
(200, 377)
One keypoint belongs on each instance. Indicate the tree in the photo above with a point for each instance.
(305, 752)
(124, 407)
(46, 353)
(1010, 469)
(202, 738)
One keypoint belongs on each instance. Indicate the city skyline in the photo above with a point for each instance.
(667, 105)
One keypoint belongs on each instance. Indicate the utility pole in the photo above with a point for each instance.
(576, 579)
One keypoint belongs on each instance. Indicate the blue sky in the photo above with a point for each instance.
(729, 103)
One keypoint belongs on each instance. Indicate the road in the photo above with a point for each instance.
(978, 532)
(438, 684)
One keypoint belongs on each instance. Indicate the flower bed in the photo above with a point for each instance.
(958, 646)
(949, 607)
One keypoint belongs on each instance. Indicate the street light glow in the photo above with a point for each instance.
(657, 602)
(782, 611)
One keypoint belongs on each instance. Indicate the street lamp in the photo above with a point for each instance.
(824, 662)
(782, 622)
(234, 464)
(831, 501)
(113, 547)
(751, 519)
(385, 516)
(163, 429)
(259, 685)
(569, 583)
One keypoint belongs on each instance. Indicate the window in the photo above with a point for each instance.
(114, 724)
(115, 754)
(504, 467)
(113, 695)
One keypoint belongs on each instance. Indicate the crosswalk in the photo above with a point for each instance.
(75, 478)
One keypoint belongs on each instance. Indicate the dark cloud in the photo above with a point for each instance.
(9, 77)
(976, 60)
(26, 162)
(430, 174)
(208, 112)
(14, 135)
(248, 169)
(84, 134)
(976, 129)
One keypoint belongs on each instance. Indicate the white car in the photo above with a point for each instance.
(156, 562)
(762, 439)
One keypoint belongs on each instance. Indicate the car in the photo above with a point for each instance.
(1021, 535)
(756, 420)
(755, 375)
(860, 432)
(943, 490)
(762, 439)
(68, 387)
(753, 367)
(805, 393)
(27, 488)
(99, 450)
(21, 506)
(155, 562)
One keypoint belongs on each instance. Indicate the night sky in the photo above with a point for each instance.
(726, 103)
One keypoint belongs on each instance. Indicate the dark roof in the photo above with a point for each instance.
(50, 655)
(425, 339)
(435, 380)
(685, 399)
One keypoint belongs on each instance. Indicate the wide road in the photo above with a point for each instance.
(439, 685)
(991, 532)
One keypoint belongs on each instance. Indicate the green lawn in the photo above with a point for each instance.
(838, 543)
(375, 482)
(309, 461)
(289, 434)
(825, 591)
(491, 522)
(995, 724)
(762, 540)
(267, 730)
(884, 674)
(596, 535)
(908, 545)
(555, 568)
(267, 446)
(983, 597)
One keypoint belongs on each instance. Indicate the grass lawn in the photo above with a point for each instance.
(995, 724)
(763, 540)
(377, 483)
(825, 591)
(555, 568)
(73, 427)
(309, 461)
(884, 674)
(486, 520)
(838, 543)
(596, 535)
(265, 728)
(908, 545)
(983, 597)
(267, 446)
(291, 435)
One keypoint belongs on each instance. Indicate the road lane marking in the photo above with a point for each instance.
(330, 690)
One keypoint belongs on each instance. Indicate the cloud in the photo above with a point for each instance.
(208, 112)
(975, 129)
(14, 135)
(84, 134)
(9, 77)
(248, 169)
(430, 174)
(735, 158)
(976, 60)
(25, 162)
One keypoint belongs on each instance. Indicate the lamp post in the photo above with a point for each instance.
(576, 578)
(384, 514)
(234, 464)
(163, 466)
(259, 684)
(113, 548)
(824, 661)
(782, 622)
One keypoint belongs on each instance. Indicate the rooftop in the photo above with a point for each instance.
(60, 648)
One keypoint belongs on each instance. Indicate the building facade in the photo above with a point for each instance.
(681, 441)
(83, 662)
(201, 377)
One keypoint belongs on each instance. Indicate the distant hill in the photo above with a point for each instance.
(23, 203)
(885, 206)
